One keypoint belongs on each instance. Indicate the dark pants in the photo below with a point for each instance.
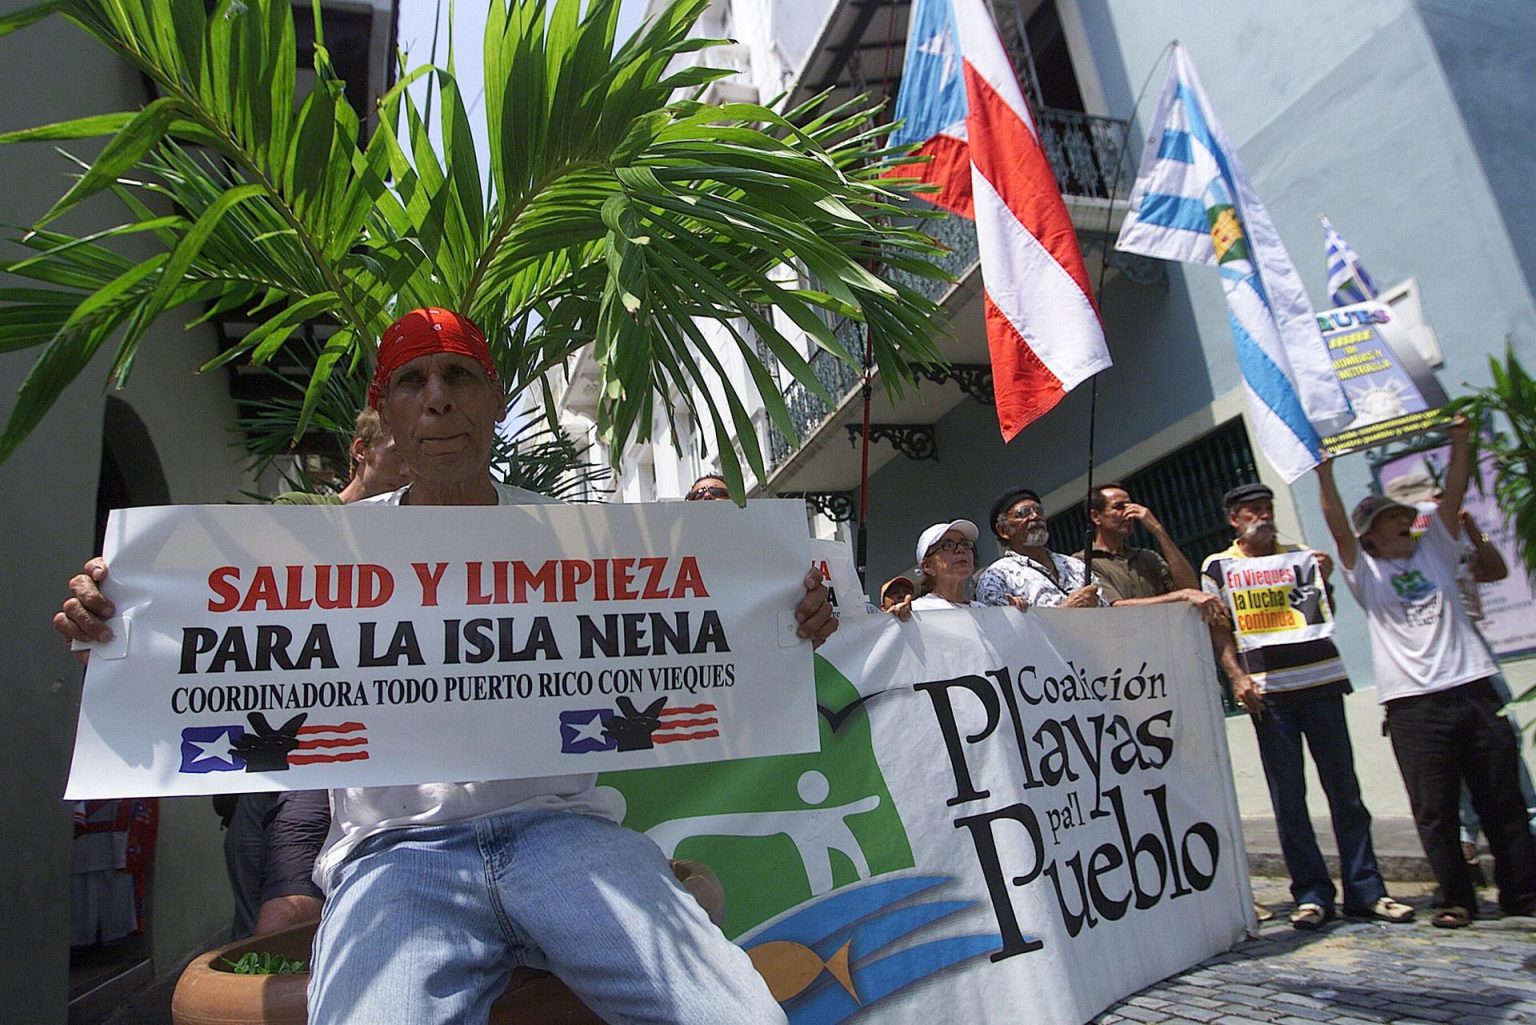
(1448, 738)
(245, 857)
(1286, 720)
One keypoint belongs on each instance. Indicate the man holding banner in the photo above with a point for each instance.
(435, 892)
(1286, 672)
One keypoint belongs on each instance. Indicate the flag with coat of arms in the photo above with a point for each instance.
(1192, 202)
(961, 101)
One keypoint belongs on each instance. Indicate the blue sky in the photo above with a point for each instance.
(417, 16)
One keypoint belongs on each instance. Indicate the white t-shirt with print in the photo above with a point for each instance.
(360, 812)
(1421, 638)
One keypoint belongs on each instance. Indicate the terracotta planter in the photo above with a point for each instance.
(208, 995)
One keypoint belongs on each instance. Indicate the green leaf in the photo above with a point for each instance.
(27, 15)
(78, 128)
(125, 150)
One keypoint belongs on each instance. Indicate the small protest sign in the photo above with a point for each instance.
(266, 648)
(1277, 599)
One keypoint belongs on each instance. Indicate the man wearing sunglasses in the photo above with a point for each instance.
(1028, 570)
(708, 488)
(1140, 576)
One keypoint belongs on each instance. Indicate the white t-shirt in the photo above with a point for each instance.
(933, 601)
(360, 812)
(1421, 638)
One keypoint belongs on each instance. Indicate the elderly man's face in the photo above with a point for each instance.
(443, 413)
(1023, 524)
(1254, 521)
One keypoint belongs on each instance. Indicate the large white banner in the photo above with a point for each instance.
(1012, 816)
(264, 648)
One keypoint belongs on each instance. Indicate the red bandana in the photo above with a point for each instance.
(422, 333)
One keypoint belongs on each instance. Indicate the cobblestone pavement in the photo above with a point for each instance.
(1354, 973)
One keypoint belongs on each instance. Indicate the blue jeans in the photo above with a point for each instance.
(1280, 730)
(424, 925)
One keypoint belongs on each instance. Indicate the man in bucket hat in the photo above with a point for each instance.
(1433, 675)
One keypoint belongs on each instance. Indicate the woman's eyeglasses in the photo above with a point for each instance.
(951, 545)
(706, 494)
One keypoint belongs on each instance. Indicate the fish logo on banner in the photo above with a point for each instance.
(627, 728)
(824, 962)
(823, 827)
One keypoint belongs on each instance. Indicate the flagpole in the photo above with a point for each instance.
(861, 536)
(1109, 222)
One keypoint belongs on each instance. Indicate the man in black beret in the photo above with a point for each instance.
(1027, 569)
(1293, 690)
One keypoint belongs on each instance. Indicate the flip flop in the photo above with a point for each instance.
(1451, 918)
(1310, 916)
(1385, 909)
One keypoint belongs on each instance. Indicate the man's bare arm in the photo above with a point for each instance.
(1457, 474)
(1178, 566)
(1334, 514)
(1209, 606)
(1244, 691)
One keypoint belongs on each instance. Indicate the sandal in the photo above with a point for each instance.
(1385, 909)
(1310, 916)
(1451, 918)
(1262, 913)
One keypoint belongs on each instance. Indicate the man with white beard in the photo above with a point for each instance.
(1027, 569)
(1295, 690)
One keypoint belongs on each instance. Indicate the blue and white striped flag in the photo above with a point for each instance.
(1347, 280)
(1192, 202)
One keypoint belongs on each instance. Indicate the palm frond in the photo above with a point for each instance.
(610, 214)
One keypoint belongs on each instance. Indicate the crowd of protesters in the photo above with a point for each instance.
(1436, 677)
(393, 852)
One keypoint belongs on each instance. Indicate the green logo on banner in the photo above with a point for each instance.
(778, 831)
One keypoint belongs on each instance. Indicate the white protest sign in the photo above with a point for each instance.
(835, 563)
(266, 648)
(1007, 811)
(1277, 599)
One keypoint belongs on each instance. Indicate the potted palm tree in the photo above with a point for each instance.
(610, 214)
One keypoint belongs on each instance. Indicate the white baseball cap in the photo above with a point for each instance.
(930, 537)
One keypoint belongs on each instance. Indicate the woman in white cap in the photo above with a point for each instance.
(946, 558)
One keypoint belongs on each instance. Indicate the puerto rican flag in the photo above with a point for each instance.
(322, 744)
(700, 722)
(960, 99)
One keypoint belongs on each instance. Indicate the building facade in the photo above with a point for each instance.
(1407, 123)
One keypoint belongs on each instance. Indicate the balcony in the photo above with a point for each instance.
(1088, 156)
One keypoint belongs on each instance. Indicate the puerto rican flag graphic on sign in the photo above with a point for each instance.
(321, 743)
(700, 722)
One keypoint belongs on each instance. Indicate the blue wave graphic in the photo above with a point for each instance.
(866, 920)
